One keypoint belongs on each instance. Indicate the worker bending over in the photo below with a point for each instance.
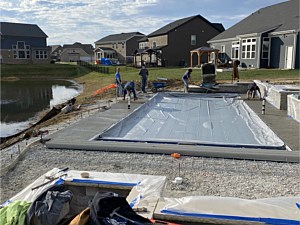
(128, 88)
(252, 88)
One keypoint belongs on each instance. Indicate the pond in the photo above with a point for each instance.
(22, 99)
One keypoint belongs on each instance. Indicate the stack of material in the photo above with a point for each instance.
(208, 73)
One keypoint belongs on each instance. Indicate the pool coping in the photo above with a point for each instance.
(77, 137)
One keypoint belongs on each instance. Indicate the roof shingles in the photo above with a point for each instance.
(21, 30)
(279, 17)
(118, 37)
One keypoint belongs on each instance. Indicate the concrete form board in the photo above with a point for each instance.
(293, 107)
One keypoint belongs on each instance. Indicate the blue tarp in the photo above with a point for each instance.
(105, 61)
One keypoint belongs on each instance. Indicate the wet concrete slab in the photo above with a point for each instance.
(79, 136)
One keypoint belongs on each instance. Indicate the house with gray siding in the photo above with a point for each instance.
(76, 52)
(118, 46)
(171, 44)
(23, 44)
(268, 38)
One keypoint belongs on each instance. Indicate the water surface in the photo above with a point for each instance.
(22, 99)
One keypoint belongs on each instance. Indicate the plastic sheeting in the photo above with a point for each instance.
(199, 119)
(293, 106)
(146, 189)
(281, 210)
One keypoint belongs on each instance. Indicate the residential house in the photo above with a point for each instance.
(23, 44)
(77, 52)
(118, 46)
(171, 44)
(268, 38)
(56, 51)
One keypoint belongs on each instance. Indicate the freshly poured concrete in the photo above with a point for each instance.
(79, 135)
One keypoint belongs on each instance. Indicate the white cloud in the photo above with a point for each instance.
(69, 21)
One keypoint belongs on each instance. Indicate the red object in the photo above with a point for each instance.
(175, 155)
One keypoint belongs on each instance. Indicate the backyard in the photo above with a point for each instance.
(93, 80)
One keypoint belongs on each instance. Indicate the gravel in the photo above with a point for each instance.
(201, 176)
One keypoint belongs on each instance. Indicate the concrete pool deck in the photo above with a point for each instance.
(78, 136)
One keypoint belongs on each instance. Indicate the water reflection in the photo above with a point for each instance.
(62, 94)
(21, 100)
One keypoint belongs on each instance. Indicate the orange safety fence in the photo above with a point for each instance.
(101, 90)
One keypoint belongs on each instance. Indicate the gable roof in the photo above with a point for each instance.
(21, 29)
(88, 48)
(171, 26)
(276, 18)
(118, 37)
(55, 48)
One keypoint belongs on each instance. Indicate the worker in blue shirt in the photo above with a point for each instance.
(128, 88)
(186, 78)
(118, 83)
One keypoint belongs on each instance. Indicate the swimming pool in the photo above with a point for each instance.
(194, 119)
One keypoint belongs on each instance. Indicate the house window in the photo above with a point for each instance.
(154, 44)
(193, 39)
(222, 49)
(21, 51)
(40, 54)
(142, 45)
(117, 45)
(123, 45)
(235, 48)
(265, 48)
(248, 48)
(222, 54)
(113, 45)
(21, 44)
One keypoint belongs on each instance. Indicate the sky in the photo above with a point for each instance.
(86, 21)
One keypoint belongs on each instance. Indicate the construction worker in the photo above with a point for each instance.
(144, 77)
(128, 88)
(118, 83)
(186, 78)
(235, 70)
(252, 88)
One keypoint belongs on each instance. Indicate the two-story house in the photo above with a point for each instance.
(23, 44)
(268, 38)
(171, 44)
(118, 46)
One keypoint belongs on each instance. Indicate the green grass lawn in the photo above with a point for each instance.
(95, 80)
(130, 73)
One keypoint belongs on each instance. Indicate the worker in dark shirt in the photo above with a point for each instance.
(252, 88)
(128, 89)
(186, 78)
